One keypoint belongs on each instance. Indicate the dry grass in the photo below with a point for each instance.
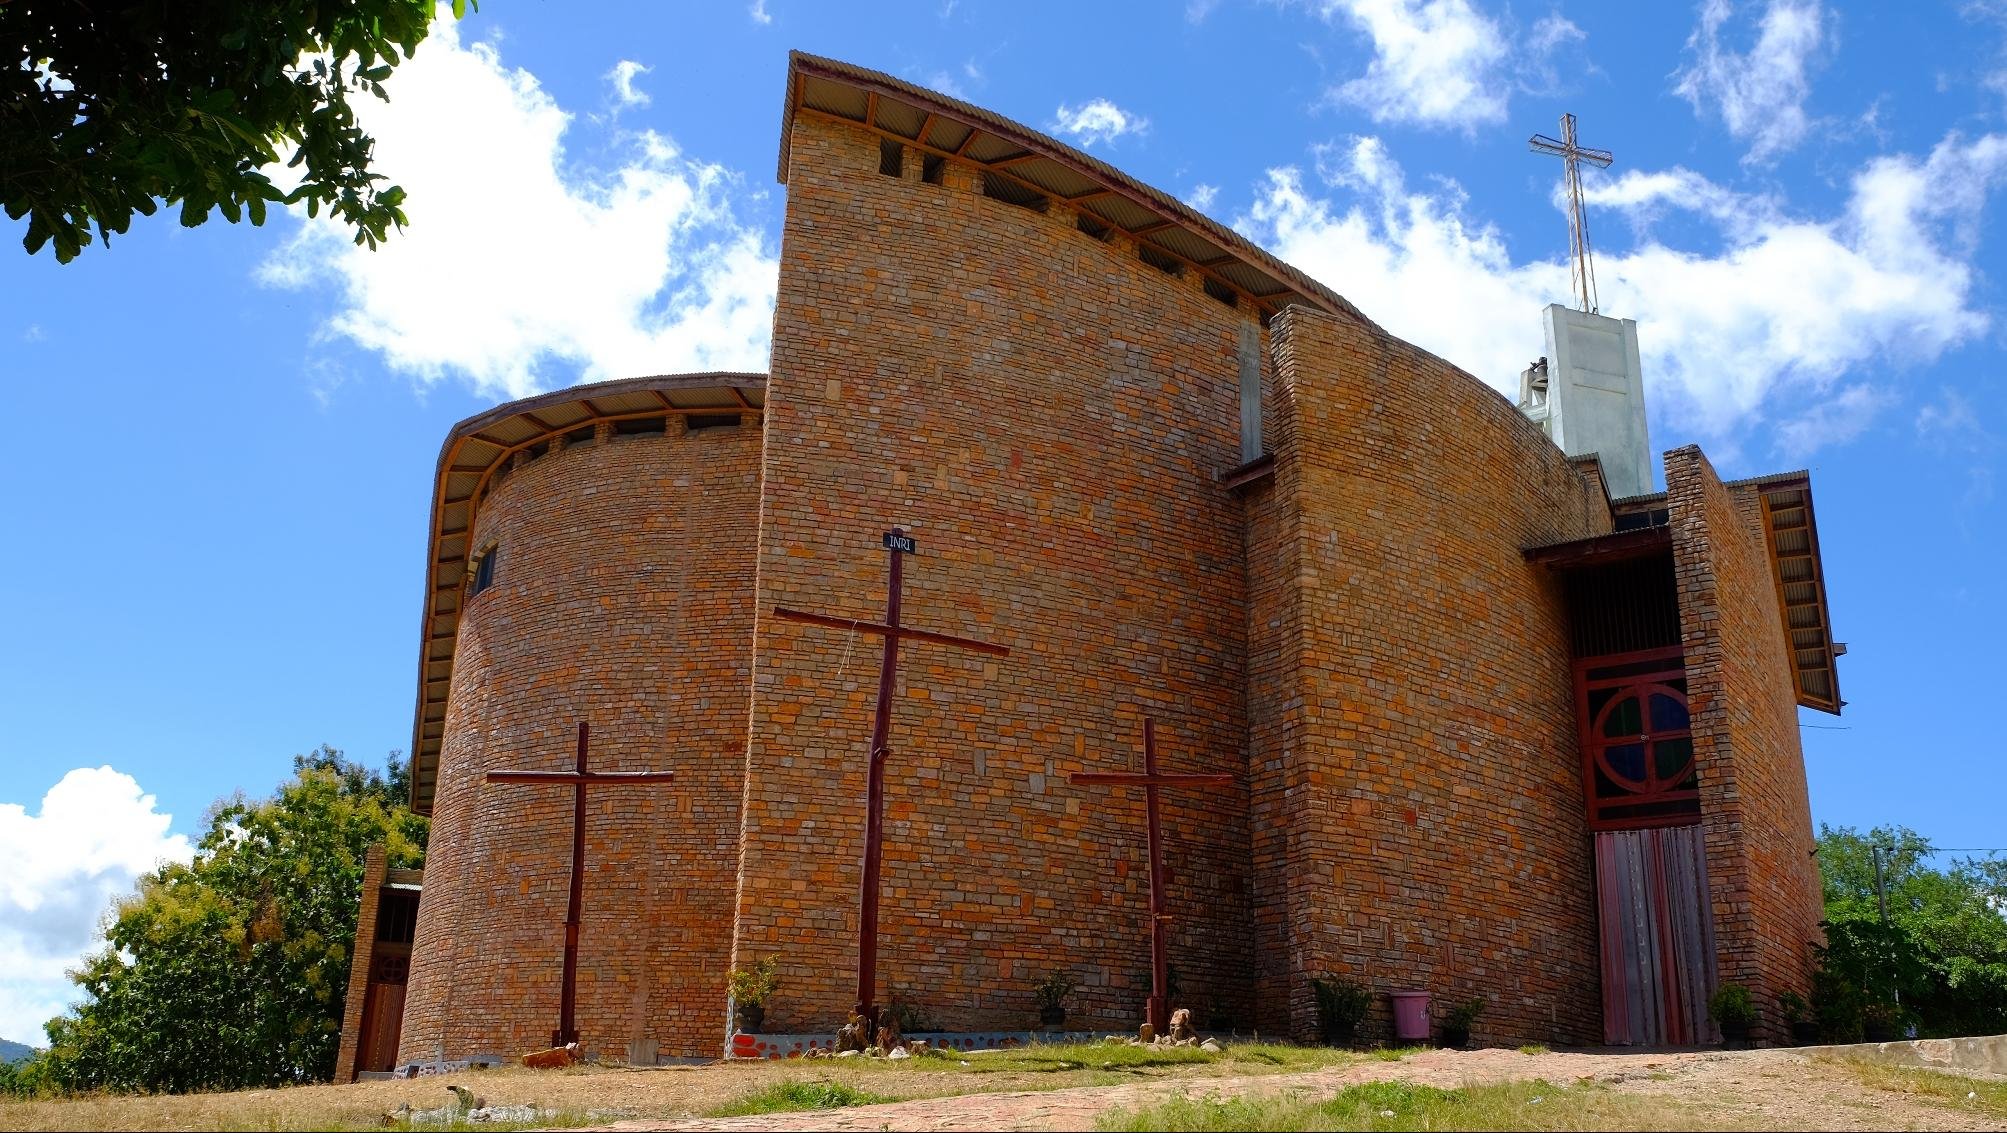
(589, 1094)
(1979, 1097)
(1402, 1105)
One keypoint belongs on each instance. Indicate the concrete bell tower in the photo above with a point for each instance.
(1588, 393)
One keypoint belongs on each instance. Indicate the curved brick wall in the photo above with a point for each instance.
(623, 592)
(1418, 818)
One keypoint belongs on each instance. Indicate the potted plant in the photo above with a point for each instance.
(1798, 1016)
(1734, 1011)
(1341, 1006)
(1456, 1024)
(750, 988)
(1051, 997)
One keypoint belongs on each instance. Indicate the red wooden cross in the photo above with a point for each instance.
(900, 545)
(1150, 780)
(567, 1031)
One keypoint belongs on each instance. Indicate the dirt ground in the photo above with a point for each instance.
(1765, 1089)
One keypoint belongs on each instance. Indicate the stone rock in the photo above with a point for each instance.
(853, 1036)
(849, 1053)
(1182, 1030)
(1211, 1046)
(898, 1052)
(1146, 1034)
(888, 1033)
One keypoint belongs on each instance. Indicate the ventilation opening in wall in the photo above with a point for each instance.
(1092, 227)
(698, 422)
(1162, 261)
(641, 427)
(1221, 292)
(484, 571)
(579, 436)
(1010, 192)
(539, 449)
(932, 167)
(891, 158)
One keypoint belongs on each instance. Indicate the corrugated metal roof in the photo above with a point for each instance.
(473, 451)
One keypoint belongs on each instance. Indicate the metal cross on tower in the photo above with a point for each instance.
(1572, 156)
(900, 545)
(1151, 779)
(578, 777)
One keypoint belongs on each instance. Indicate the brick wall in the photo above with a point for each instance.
(623, 594)
(1755, 815)
(1416, 793)
(374, 867)
(1045, 413)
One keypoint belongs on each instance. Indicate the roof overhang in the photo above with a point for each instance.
(956, 131)
(1791, 533)
(1601, 550)
(474, 452)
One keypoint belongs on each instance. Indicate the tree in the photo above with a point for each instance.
(231, 971)
(1941, 959)
(110, 109)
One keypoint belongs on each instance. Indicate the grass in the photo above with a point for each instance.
(786, 1097)
(1987, 1097)
(1533, 1048)
(1402, 1105)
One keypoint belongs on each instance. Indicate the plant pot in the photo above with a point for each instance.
(1877, 1031)
(1805, 1032)
(1735, 1034)
(1455, 1038)
(752, 1016)
(1051, 1016)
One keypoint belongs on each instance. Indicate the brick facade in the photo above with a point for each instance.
(622, 594)
(1418, 812)
(1356, 636)
(1755, 815)
(374, 868)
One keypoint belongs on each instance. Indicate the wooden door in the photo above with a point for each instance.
(1657, 936)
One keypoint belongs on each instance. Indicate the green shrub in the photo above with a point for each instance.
(1341, 1006)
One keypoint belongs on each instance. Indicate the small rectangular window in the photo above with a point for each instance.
(697, 422)
(484, 571)
(1162, 261)
(641, 427)
(1092, 227)
(932, 167)
(579, 436)
(1222, 292)
(1004, 189)
(891, 158)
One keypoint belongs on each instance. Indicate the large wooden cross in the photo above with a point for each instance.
(1572, 155)
(578, 777)
(899, 544)
(1150, 780)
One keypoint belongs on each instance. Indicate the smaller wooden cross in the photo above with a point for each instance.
(1151, 779)
(578, 777)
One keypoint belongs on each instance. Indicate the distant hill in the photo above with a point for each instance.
(15, 1052)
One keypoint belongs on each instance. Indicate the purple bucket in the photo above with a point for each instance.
(1411, 1016)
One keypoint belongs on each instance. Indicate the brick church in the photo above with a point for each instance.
(1497, 718)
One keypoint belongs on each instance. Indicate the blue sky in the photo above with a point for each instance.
(219, 478)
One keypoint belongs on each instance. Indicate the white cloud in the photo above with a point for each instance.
(1759, 94)
(1786, 312)
(1097, 121)
(60, 869)
(622, 77)
(1949, 424)
(1203, 196)
(521, 269)
(1435, 62)
(957, 83)
(759, 13)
